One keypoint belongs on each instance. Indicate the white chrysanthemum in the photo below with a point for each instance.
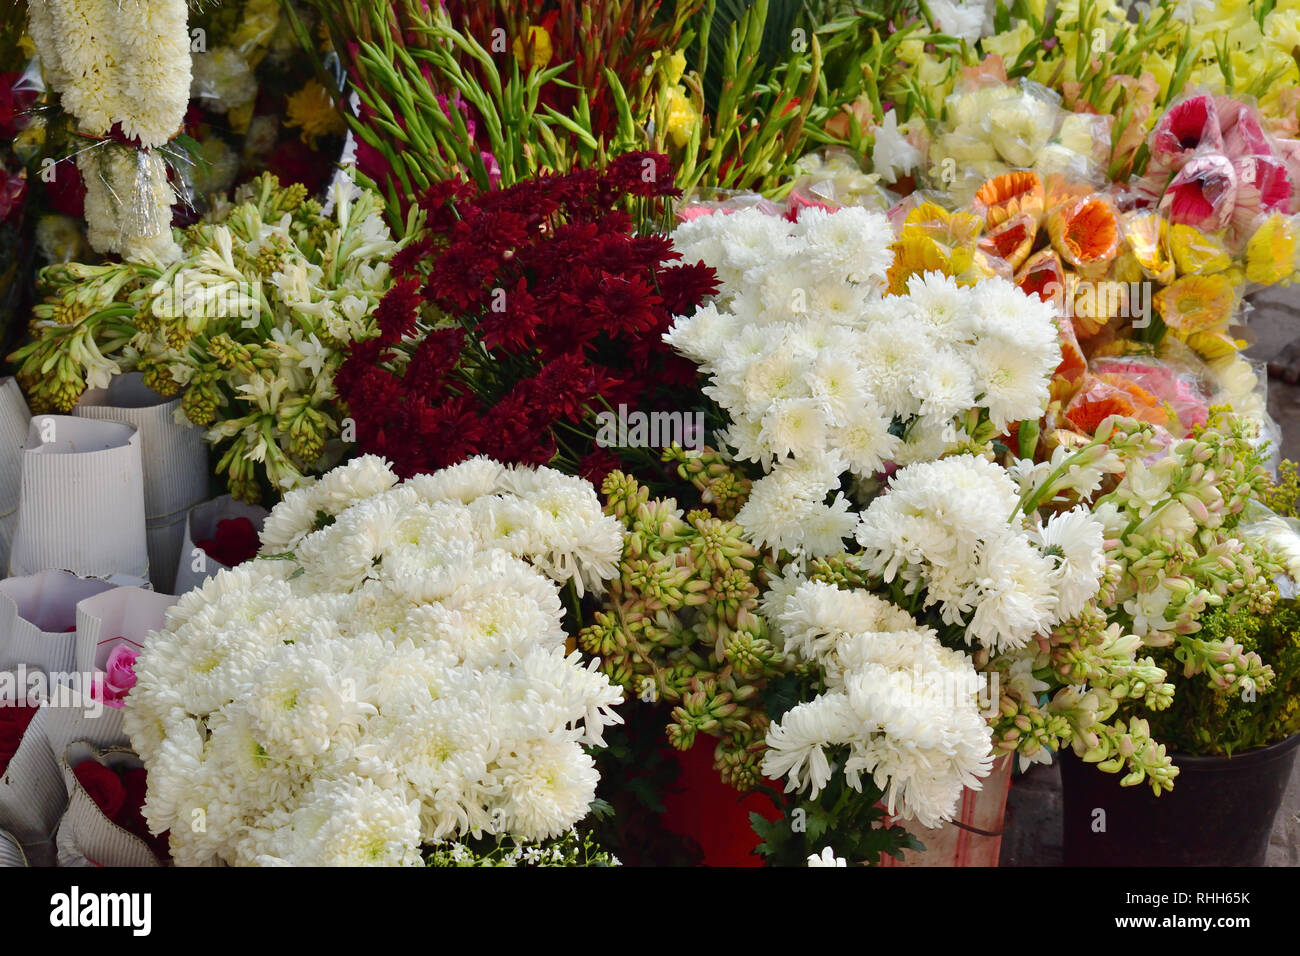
(921, 747)
(465, 482)
(399, 678)
(1015, 600)
(948, 384)
(351, 822)
(1074, 540)
(796, 743)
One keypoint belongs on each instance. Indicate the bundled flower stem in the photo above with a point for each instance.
(250, 324)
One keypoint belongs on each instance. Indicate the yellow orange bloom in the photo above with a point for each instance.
(1196, 303)
(1012, 240)
(1084, 231)
(1008, 195)
(540, 43)
(1147, 236)
(313, 111)
(1271, 251)
(1196, 252)
(1214, 345)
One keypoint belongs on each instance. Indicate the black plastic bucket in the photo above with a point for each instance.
(1220, 812)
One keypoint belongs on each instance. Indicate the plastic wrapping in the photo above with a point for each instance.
(1213, 166)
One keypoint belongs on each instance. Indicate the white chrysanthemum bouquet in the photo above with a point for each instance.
(389, 674)
(821, 376)
(876, 423)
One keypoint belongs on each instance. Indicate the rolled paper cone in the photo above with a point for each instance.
(14, 419)
(175, 460)
(32, 794)
(113, 617)
(120, 616)
(81, 507)
(86, 837)
(194, 565)
(11, 851)
(36, 612)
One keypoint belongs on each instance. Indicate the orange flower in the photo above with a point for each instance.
(1097, 402)
(1073, 365)
(1008, 195)
(1012, 240)
(1196, 304)
(1084, 231)
(1043, 275)
(1147, 407)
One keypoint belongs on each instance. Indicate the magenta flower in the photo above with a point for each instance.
(118, 676)
(1203, 194)
(1188, 126)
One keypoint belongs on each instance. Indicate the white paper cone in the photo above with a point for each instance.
(122, 615)
(14, 419)
(175, 461)
(11, 851)
(85, 836)
(35, 612)
(194, 566)
(82, 502)
(32, 795)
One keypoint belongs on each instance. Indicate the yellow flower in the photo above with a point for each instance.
(915, 253)
(674, 64)
(911, 51)
(312, 110)
(1271, 252)
(1162, 68)
(542, 50)
(1147, 235)
(1282, 28)
(935, 76)
(682, 116)
(1214, 345)
(1196, 252)
(1196, 304)
(1009, 44)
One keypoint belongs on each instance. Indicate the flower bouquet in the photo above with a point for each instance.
(388, 681)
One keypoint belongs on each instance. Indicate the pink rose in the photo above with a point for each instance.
(118, 677)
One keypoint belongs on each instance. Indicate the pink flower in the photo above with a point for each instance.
(118, 677)
(1263, 186)
(1186, 127)
(1242, 133)
(1203, 194)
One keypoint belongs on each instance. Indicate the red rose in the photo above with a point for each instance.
(102, 785)
(234, 543)
(13, 724)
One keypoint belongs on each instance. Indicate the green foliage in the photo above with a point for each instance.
(1205, 720)
(851, 822)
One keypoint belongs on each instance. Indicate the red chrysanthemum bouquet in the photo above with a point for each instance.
(518, 316)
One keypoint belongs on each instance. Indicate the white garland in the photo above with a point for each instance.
(124, 62)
